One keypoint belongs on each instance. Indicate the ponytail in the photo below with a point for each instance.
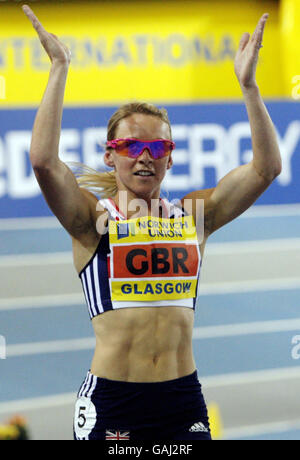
(102, 183)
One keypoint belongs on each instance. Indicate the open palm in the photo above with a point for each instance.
(247, 55)
(55, 49)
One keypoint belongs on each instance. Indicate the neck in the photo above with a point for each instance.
(132, 205)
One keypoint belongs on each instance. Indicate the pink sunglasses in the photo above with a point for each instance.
(132, 148)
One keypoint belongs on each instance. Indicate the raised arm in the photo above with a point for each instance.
(73, 206)
(239, 189)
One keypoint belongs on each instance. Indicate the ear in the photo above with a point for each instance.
(108, 159)
(170, 162)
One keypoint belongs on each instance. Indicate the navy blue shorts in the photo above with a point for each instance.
(114, 410)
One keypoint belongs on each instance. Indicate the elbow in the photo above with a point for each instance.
(276, 170)
(40, 171)
(270, 173)
(36, 161)
(40, 164)
(37, 166)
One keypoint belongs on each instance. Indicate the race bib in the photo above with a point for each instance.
(153, 259)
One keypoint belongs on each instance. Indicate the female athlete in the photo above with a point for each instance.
(140, 272)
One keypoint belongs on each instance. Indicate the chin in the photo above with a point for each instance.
(145, 191)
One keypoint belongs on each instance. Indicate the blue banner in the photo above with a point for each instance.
(211, 140)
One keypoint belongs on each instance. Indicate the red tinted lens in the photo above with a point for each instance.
(125, 148)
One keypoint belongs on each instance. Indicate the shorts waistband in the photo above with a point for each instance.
(92, 381)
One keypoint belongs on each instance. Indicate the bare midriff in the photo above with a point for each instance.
(144, 344)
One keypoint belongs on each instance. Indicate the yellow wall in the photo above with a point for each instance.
(290, 46)
(160, 51)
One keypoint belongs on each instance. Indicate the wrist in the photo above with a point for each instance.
(60, 65)
(250, 89)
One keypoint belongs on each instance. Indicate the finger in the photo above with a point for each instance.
(33, 19)
(257, 36)
(244, 41)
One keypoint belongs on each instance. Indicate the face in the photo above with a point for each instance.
(145, 127)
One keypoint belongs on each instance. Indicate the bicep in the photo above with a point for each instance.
(70, 204)
(234, 194)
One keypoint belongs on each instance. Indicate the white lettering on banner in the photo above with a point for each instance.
(18, 181)
(2, 169)
(69, 139)
(287, 146)
(226, 155)
(20, 184)
(180, 157)
(235, 157)
(93, 143)
(201, 159)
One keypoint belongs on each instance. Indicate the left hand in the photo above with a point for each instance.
(247, 55)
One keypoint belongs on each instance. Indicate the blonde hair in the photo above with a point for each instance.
(104, 183)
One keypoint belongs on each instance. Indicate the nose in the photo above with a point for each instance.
(145, 156)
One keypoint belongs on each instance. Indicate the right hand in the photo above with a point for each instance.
(56, 50)
(246, 58)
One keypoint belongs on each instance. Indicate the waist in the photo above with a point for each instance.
(105, 383)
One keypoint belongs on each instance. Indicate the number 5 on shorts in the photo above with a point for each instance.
(85, 417)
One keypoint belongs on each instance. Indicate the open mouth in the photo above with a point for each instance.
(144, 173)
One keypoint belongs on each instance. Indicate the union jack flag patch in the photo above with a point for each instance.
(116, 435)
